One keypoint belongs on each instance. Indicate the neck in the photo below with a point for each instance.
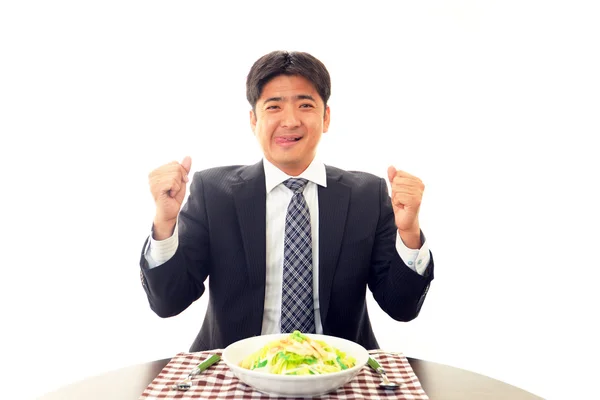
(291, 169)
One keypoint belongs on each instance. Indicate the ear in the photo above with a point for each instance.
(253, 121)
(326, 119)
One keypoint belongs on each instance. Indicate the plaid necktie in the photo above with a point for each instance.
(297, 310)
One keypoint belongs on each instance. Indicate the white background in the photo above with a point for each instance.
(494, 105)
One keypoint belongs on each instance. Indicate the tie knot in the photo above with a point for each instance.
(297, 185)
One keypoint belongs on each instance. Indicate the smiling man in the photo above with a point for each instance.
(289, 243)
(288, 121)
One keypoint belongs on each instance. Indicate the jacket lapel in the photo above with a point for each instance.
(251, 203)
(333, 209)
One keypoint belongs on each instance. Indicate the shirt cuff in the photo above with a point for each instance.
(159, 252)
(415, 259)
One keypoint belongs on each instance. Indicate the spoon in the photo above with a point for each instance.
(385, 382)
(187, 382)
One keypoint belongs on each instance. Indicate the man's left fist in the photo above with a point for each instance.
(407, 193)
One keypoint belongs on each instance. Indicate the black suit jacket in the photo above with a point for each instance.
(222, 234)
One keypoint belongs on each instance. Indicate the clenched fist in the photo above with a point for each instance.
(407, 193)
(168, 185)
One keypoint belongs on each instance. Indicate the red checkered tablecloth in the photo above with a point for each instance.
(218, 382)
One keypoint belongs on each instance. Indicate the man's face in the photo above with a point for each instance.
(289, 121)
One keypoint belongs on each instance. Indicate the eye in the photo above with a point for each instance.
(272, 107)
(306, 105)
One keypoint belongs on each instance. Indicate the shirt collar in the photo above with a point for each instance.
(314, 173)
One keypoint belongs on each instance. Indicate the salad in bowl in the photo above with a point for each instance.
(295, 364)
(298, 354)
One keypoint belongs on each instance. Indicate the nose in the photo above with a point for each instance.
(289, 119)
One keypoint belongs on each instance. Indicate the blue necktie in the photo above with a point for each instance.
(297, 309)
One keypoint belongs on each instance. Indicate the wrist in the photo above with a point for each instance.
(162, 230)
(411, 238)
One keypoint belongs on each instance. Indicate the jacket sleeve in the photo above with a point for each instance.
(171, 287)
(398, 290)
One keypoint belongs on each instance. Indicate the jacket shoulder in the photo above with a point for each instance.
(217, 174)
(355, 179)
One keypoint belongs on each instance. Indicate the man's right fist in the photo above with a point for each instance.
(167, 185)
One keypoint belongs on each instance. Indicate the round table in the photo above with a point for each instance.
(440, 382)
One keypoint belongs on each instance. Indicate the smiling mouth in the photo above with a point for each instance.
(288, 140)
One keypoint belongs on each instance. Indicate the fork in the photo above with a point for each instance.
(187, 382)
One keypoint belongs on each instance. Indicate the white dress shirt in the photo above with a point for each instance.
(278, 199)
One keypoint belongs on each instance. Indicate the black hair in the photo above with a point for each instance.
(280, 62)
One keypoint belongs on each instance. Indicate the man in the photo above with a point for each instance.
(288, 243)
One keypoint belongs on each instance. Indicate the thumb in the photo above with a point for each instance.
(187, 163)
(391, 173)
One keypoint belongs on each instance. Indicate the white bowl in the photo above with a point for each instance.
(292, 385)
